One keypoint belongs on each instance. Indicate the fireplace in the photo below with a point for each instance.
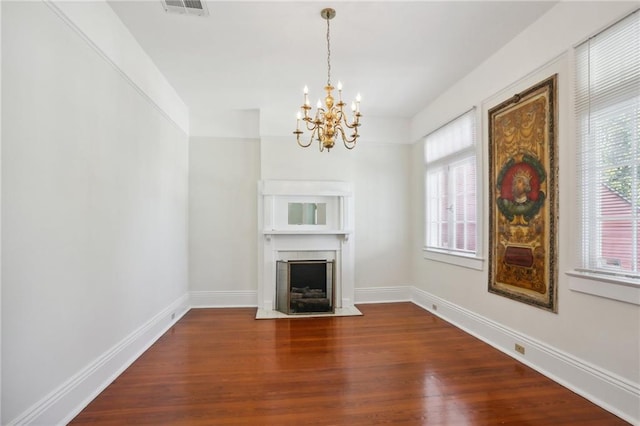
(298, 222)
(304, 286)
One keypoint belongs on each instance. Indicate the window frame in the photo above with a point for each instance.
(467, 259)
(585, 277)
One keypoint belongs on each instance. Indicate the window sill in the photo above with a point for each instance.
(466, 261)
(623, 290)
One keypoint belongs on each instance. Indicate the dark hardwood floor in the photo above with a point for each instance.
(398, 364)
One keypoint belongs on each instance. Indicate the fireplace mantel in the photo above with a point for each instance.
(280, 240)
(344, 233)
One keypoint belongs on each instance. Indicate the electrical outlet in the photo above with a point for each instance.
(520, 349)
(434, 307)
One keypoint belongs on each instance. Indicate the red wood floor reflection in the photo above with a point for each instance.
(397, 364)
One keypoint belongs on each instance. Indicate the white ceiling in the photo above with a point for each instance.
(259, 55)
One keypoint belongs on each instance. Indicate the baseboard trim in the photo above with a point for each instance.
(249, 298)
(382, 294)
(65, 402)
(223, 299)
(604, 388)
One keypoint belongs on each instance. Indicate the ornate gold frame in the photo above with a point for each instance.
(523, 192)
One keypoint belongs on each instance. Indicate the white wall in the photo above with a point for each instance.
(602, 333)
(381, 182)
(282, 158)
(223, 218)
(94, 212)
(229, 124)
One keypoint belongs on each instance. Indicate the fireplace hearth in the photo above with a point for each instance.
(304, 286)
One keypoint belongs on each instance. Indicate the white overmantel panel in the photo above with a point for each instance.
(277, 194)
(277, 240)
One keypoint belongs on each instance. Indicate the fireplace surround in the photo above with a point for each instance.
(325, 234)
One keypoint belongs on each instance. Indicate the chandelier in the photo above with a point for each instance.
(330, 119)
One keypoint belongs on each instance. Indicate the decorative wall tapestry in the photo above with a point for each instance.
(523, 193)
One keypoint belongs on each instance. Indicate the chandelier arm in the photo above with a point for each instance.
(353, 125)
(348, 143)
(342, 118)
(347, 140)
(315, 135)
(344, 137)
(319, 116)
(354, 135)
(300, 143)
(320, 133)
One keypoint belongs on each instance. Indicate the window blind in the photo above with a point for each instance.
(607, 101)
(451, 138)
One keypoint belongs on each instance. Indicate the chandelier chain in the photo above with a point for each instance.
(328, 55)
(329, 121)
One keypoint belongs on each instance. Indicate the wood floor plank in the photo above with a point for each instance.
(398, 364)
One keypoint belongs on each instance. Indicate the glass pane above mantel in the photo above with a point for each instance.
(307, 214)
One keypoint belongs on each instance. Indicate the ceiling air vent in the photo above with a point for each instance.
(188, 7)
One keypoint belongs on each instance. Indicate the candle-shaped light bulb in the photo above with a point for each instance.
(319, 104)
(298, 117)
(358, 102)
(339, 85)
(353, 106)
(306, 95)
(306, 90)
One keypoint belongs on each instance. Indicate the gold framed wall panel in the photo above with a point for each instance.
(523, 208)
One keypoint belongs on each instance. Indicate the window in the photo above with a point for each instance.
(450, 183)
(608, 141)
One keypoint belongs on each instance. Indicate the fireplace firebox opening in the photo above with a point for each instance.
(304, 286)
